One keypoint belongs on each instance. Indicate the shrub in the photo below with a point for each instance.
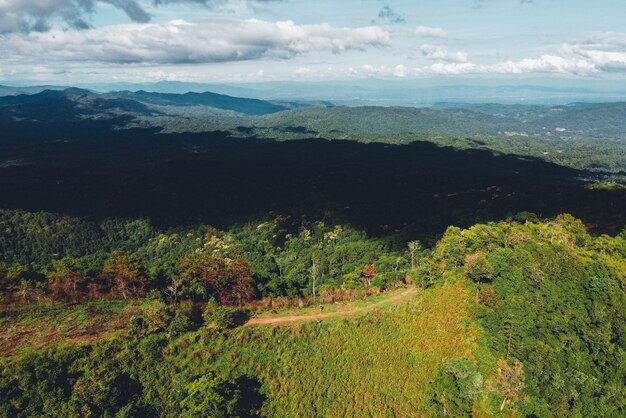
(179, 325)
(219, 316)
(457, 385)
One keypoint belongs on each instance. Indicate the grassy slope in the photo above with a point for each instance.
(337, 367)
(342, 366)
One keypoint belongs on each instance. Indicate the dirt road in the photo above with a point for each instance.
(348, 312)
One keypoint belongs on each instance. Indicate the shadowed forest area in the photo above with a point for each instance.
(182, 179)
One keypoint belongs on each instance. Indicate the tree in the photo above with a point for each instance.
(455, 388)
(174, 288)
(479, 269)
(509, 382)
(414, 247)
(4, 281)
(125, 275)
(230, 281)
(178, 325)
(451, 249)
(207, 396)
(314, 274)
(368, 273)
(221, 317)
(67, 280)
(22, 281)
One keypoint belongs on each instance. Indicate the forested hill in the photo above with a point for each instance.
(71, 103)
(218, 101)
(508, 319)
(395, 121)
(606, 121)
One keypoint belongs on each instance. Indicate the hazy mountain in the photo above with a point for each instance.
(66, 105)
(219, 101)
(12, 90)
(207, 111)
(424, 92)
(62, 106)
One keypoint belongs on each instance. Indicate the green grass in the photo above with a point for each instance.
(341, 367)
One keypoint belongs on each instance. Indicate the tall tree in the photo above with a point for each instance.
(414, 247)
(228, 280)
(368, 273)
(125, 275)
(67, 280)
(479, 269)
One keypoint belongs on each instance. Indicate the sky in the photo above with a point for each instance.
(87, 41)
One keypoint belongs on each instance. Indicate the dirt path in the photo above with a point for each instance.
(349, 312)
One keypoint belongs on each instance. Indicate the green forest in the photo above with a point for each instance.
(203, 255)
(312, 209)
(521, 317)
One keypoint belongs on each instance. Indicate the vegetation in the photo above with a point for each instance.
(68, 259)
(396, 262)
(542, 336)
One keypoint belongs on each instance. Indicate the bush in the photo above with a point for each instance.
(179, 325)
(155, 314)
(389, 280)
(219, 316)
(455, 388)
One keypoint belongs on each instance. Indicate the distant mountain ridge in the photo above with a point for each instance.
(606, 121)
(75, 102)
(220, 101)
(14, 91)
(66, 105)
(373, 92)
(199, 112)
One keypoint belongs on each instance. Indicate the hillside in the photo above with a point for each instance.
(509, 319)
(385, 121)
(593, 121)
(158, 258)
(208, 99)
(59, 106)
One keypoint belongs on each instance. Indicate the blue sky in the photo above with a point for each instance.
(82, 41)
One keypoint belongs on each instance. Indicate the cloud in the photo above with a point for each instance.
(388, 16)
(179, 41)
(544, 64)
(41, 15)
(429, 32)
(606, 51)
(37, 15)
(440, 52)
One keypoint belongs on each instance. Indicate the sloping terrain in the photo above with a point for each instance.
(208, 99)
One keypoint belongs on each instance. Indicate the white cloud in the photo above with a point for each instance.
(212, 40)
(440, 52)
(606, 51)
(543, 64)
(595, 54)
(430, 32)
